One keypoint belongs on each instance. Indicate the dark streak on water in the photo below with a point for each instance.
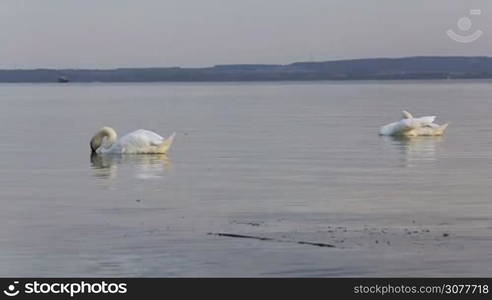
(242, 236)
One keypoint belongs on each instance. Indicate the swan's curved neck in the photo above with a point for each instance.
(407, 115)
(103, 139)
(110, 136)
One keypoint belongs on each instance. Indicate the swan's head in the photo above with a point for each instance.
(105, 137)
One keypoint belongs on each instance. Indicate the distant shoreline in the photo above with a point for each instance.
(409, 68)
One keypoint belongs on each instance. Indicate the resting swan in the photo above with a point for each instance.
(138, 142)
(410, 126)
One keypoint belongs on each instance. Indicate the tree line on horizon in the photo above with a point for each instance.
(356, 69)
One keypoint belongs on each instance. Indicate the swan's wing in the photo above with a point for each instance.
(432, 125)
(424, 121)
(140, 141)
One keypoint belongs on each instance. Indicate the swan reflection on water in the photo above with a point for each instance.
(415, 149)
(146, 166)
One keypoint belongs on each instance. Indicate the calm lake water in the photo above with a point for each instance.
(292, 162)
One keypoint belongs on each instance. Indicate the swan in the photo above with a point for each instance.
(410, 126)
(141, 141)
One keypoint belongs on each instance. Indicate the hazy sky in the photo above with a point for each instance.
(142, 33)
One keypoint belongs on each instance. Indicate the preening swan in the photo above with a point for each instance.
(138, 142)
(410, 126)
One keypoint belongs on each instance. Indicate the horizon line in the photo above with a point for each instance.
(244, 64)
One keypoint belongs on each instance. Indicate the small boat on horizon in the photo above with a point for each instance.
(63, 79)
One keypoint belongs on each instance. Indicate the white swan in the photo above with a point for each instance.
(138, 142)
(410, 126)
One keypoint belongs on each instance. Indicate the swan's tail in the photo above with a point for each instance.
(441, 129)
(166, 144)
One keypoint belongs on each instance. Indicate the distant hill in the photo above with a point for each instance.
(357, 69)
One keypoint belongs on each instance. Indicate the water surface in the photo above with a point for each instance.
(292, 162)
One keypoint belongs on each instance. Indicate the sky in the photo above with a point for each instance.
(197, 33)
